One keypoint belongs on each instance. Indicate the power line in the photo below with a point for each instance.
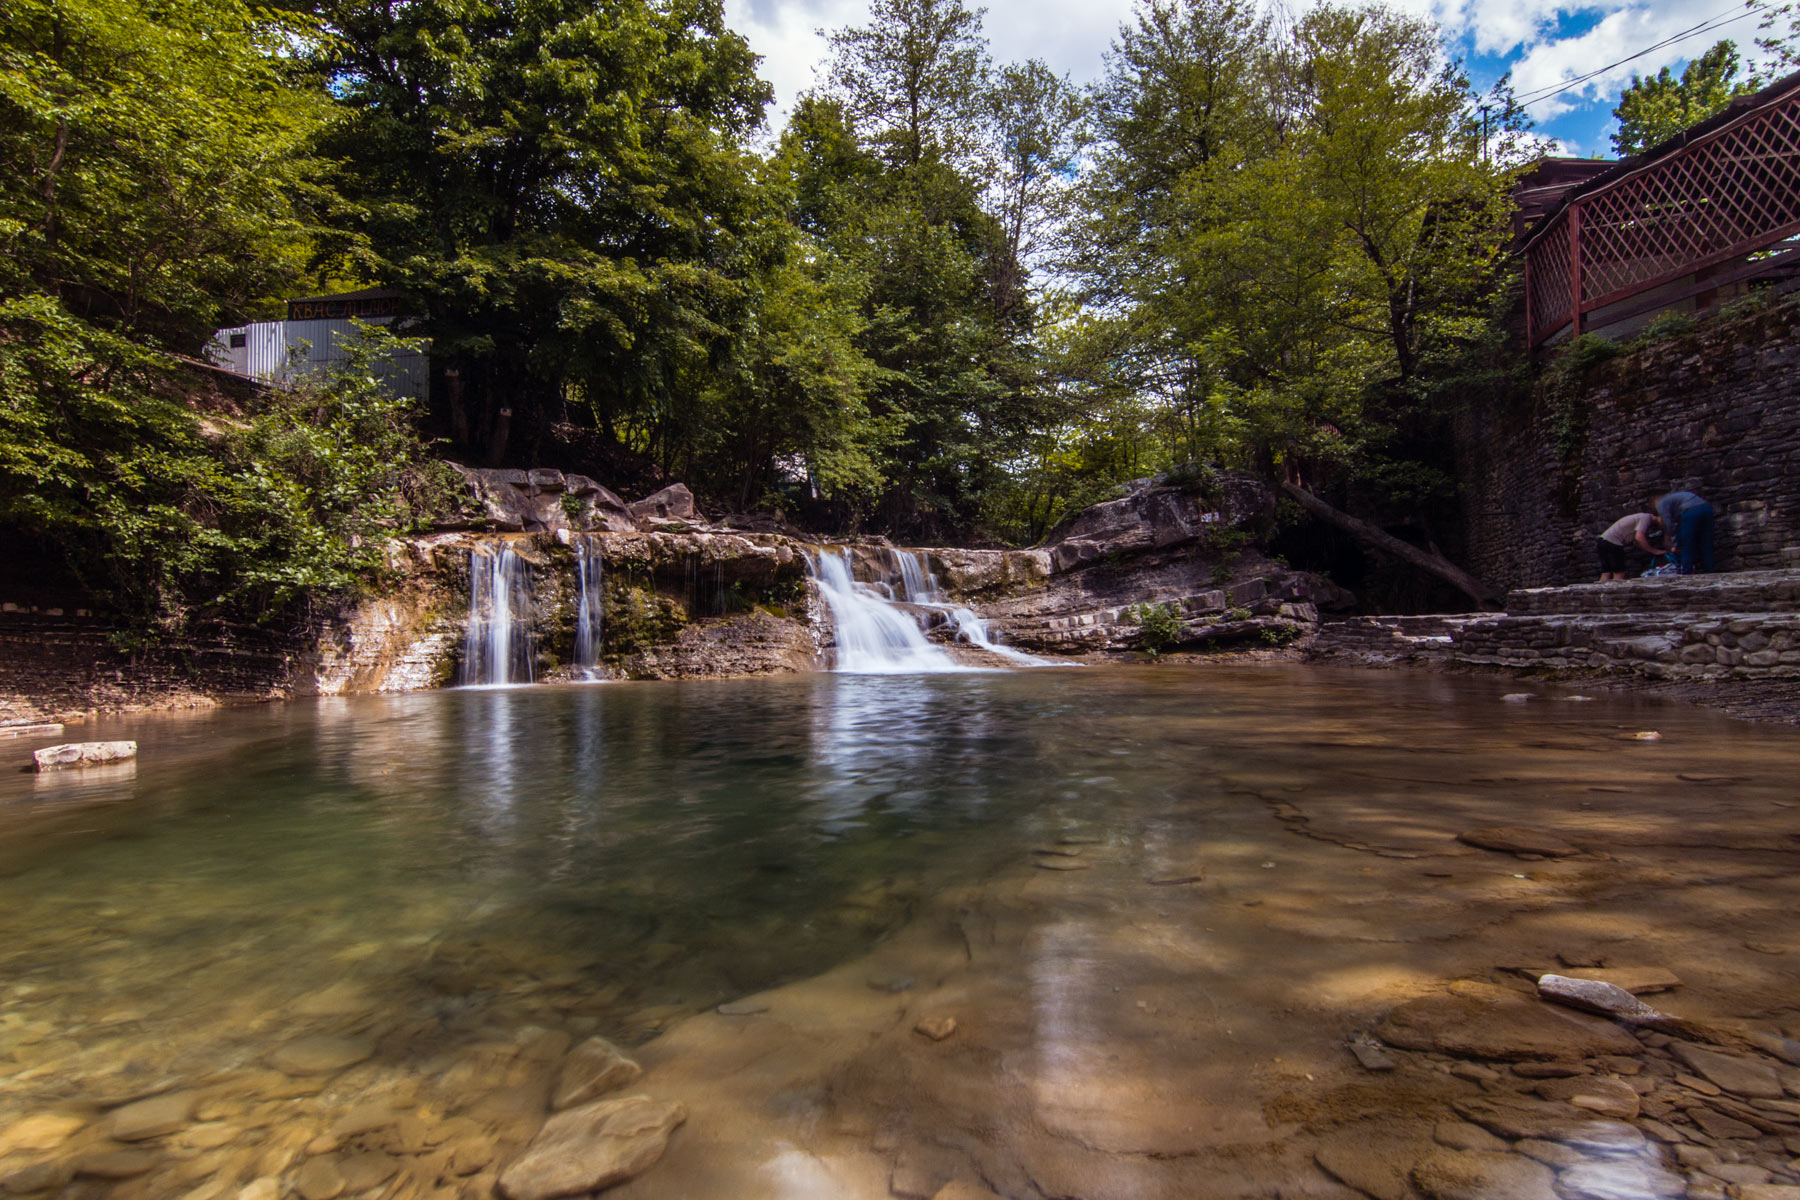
(1551, 91)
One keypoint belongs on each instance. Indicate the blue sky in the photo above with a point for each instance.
(1543, 42)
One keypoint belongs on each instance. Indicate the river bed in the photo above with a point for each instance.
(1154, 901)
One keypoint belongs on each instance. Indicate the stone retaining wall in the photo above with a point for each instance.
(1721, 627)
(1717, 411)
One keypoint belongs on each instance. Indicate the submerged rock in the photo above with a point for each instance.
(1734, 1074)
(1619, 1179)
(1483, 1175)
(936, 1028)
(150, 1118)
(1597, 1093)
(1484, 1021)
(592, 1147)
(320, 1055)
(592, 1069)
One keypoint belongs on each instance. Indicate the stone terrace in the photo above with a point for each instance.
(1741, 626)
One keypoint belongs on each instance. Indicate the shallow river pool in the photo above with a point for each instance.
(1082, 933)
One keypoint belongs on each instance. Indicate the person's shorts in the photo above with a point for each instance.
(1612, 557)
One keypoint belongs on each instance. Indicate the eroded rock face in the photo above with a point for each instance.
(1154, 515)
(592, 1147)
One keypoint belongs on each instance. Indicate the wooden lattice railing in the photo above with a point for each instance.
(1726, 195)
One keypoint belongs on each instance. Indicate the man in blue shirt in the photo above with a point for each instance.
(1690, 520)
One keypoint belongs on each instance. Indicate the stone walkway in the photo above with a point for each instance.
(1728, 640)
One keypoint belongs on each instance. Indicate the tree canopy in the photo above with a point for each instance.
(1658, 107)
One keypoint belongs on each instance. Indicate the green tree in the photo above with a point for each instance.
(889, 167)
(561, 186)
(912, 79)
(1654, 109)
(151, 161)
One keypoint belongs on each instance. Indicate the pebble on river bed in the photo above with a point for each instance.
(936, 1028)
(321, 1054)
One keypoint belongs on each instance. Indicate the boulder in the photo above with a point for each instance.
(72, 755)
(673, 503)
(592, 1069)
(1476, 1020)
(1154, 514)
(1597, 996)
(543, 479)
(580, 485)
(592, 1147)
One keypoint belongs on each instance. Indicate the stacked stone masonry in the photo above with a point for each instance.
(1716, 411)
(1739, 627)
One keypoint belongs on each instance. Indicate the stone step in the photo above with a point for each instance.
(1736, 592)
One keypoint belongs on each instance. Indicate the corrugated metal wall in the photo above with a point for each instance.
(281, 350)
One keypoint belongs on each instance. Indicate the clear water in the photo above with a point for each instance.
(612, 859)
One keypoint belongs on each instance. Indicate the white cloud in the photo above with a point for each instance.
(1073, 35)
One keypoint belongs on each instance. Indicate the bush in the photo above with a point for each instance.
(1159, 625)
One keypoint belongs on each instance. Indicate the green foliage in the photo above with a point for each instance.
(1655, 109)
(1668, 326)
(166, 515)
(1290, 234)
(150, 160)
(155, 186)
(561, 187)
(1159, 625)
(1581, 356)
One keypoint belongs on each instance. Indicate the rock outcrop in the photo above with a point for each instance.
(82, 754)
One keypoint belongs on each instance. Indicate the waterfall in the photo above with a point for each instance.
(590, 606)
(919, 586)
(873, 636)
(498, 648)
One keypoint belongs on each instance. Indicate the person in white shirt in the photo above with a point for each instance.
(1633, 530)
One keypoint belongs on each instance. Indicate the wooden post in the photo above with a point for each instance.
(1574, 271)
(1530, 326)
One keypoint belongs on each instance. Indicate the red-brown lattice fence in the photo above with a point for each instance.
(1727, 194)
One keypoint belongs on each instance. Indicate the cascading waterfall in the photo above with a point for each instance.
(499, 647)
(919, 586)
(873, 636)
(590, 606)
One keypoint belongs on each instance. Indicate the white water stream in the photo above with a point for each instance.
(918, 586)
(873, 637)
(877, 637)
(498, 648)
(590, 606)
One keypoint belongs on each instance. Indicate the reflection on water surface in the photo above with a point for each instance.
(1140, 872)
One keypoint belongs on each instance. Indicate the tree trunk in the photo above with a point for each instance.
(1433, 564)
